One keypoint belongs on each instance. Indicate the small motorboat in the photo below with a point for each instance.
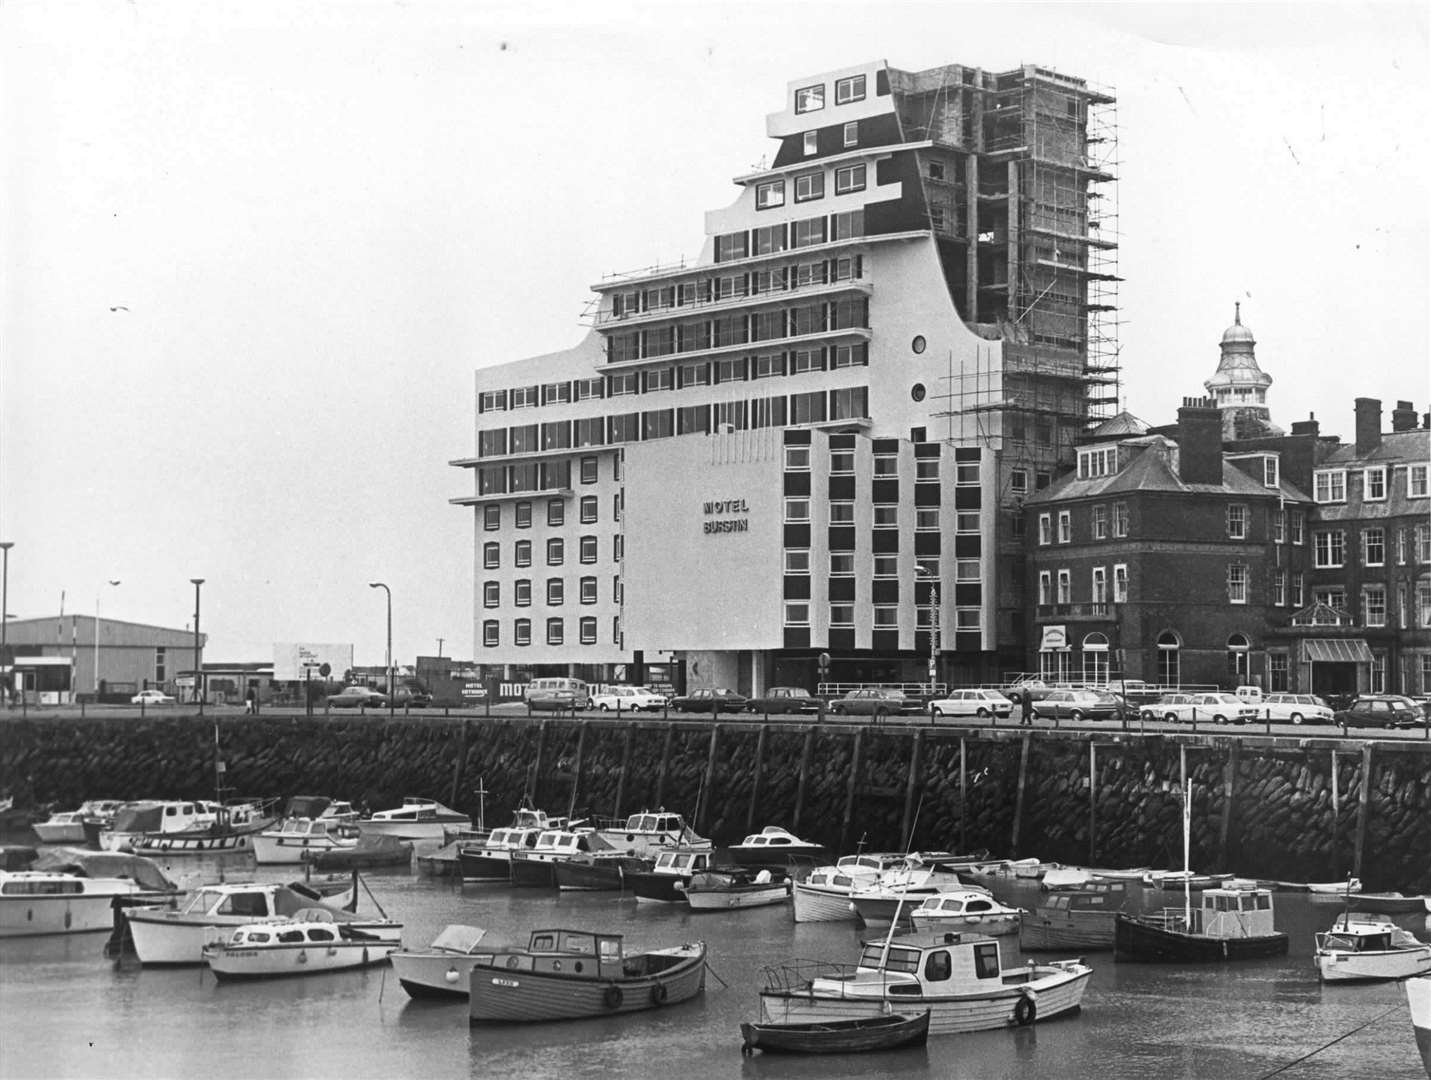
(1076, 920)
(416, 819)
(443, 970)
(604, 872)
(891, 1032)
(296, 840)
(726, 890)
(823, 895)
(1059, 878)
(648, 832)
(666, 881)
(73, 891)
(308, 943)
(774, 846)
(67, 826)
(1363, 947)
(966, 909)
(1174, 880)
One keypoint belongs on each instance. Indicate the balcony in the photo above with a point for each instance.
(1086, 612)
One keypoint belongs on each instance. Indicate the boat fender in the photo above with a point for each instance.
(302, 957)
(451, 975)
(613, 997)
(1026, 1009)
(658, 994)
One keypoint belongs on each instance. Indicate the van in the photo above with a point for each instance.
(560, 694)
(1250, 694)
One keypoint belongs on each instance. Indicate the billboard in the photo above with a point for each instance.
(292, 661)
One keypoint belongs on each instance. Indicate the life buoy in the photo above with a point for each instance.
(613, 997)
(1025, 1010)
(658, 994)
(512, 961)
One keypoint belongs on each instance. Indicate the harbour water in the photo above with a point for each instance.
(66, 1011)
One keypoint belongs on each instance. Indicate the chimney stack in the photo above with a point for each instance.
(1403, 417)
(1200, 442)
(1309, 426)
(1368, 425)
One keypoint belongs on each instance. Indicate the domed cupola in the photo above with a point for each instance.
(1239, 386)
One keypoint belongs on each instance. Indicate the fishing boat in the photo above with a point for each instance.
(1418, 1000)
(308, 943)
(417, 818)
(966, 909)
(726, 890)
(146, 817)
(234, 826)
(443, 970)
(535, 866)
(177, 935)
(297, 839)
(823, 895)
(774, 846)
(568, 974)
(647, 833)
(959, 978)
(320, 807)
(666, 881)
(67, 826)
(1363, 947)
(891, 1032)
(1078, 920)
(73, 891)
(491, 859)
(598, 871)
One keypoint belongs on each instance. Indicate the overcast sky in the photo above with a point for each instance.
(252, 253)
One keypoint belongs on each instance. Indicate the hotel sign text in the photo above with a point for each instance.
(722, 516)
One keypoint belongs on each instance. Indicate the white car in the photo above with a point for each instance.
(971, 703)
(1203, 708)
(628, 699)
(1296, 709)
(151, 697)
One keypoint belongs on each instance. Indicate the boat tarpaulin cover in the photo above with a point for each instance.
(106, 864)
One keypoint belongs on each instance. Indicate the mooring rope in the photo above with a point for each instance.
(1339, 1038)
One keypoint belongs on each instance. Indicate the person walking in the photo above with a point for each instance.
(1026, 707)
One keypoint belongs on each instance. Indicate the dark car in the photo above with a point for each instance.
(411, 697)
(358, 697)
(711, 699)
(1381, 710)
(878, 702)
(784, 699)
(1079, 705)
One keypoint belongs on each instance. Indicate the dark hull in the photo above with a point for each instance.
(1135, 939)
(663, 888)
(478, 867)
(837, 1036)
(533, 873)
(608, 875)
(497, 995)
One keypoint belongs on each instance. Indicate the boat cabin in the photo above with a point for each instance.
(559, 843)
(1094, 896)
(572, 953)
(954, 904)
(682, 862)
(315, 828)
(773, 836)
(915, 964)
(672, 824)
(511, 839)
(1234, 913)
(316, 928)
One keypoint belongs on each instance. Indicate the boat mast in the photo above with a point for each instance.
(1187, 852)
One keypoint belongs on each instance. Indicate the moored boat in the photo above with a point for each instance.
(666, 881)
(443, 969)
(417, 818)
(73, 891)
(1362, 947)
(295, 840)
(308, 943)
(135, 820)
(1384, 903)
(1418, 1000)
(67, 826)
(966, 909)
(726, 890)
(491, 859)
(1227, 924)
(774, 846)
(891, 1032)
(1060, 878)
(569, 974)
(959, 978)
(606, 871)
(534, 867)
(648, 832)
(369, 853)
(900, 890)
(1077, 920)
(823, 895)
(1171, 880)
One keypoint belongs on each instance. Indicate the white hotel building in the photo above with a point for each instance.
(820, 433)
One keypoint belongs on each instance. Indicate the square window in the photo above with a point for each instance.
(966, 521)
(810, 98)
(926, 519)
(849, 178)
(926, 470)
(842, 614)
(886, 465)
(886, 617)
(556, 551)
(797, 510)
(769, 194)
(849, 89)
(811, 142)
(797, 561)
(886, 516)
(797, 458)
(1019, 481)
(968, 618)
(1329, 548)
(810, 186)
(886, 566)
(841, 462)
(797, 614)
(842, 513)
(966, 475)
(1329, 485)
(842, 563)
(491, 517)
(966, 569)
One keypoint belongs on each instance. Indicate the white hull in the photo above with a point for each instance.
(67, 833)
(993, 925)
(1418, 998)
(290, 851)
(1369, 966)
(411, 830)
(729, 899)
(947, 1015)
(273, 961)
(433, 975)
(818, 905)
(162, 936)
(31, 916)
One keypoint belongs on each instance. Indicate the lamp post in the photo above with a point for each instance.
(380, 585)
(96, 640)
(198, 677)
(933, 576)
(9, 684)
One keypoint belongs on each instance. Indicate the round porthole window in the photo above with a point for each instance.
(917, 392)
(918, 343)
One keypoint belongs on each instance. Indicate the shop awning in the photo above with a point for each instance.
(1336, 650)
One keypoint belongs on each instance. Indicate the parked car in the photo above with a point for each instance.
(628, 699)
(971, 703)
(711, 699)
(1078, 705)
(152, 697)
(411, 697)
(781, 700)
(1295, 709)
(1381, 710)
(1218, 708)
(358, 697)
(1034, 686)
(876, 701)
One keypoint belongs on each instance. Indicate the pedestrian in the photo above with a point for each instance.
(250, 701)
(1026, 707)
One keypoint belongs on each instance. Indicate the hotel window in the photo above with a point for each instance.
(1065, 587)
(1045, 587)
(797, 614)
(730, 246)
(616, 589)
(1330, 485)
(842, 563)
(524, 438)
(766, 281)
(588, 470)
(803, 360)
(730, 370)
(767, 412)
(555, 631)
(524, 515)
(886, 516)
(585, 389)
(1045, 530)
(556, 592)
(810, 142)
(587, 548)
(1096, 463)
(693, 420)
(768, 366)
(558, 393)
(968, 618)
(810, 98)
(797, 510)
(1099, 594)
(492, 400)
(590, 431)
(1299, 589)
(842, 462)
(1373, 546)
(807, 233)
(851, 134)
(522, 631)
(1279, 588)
(849, 89)
(966, 569)
(856, 355)
(846, 268)
(842, 614)
(1423, 543)
(886, 465)
(1236, 521)
(1100, 522)
(886, 617)
(491, 517)
(588, 630)
(1298, 523)
(849, 402)
(1120, 519)
(1373, 599)
(586, 590)
(588, 509)
(1120, 584)
(658, 424)
(807, 408)
(966, 521)
(769, 194)
(1236, 583)
(849, 178)
(886, 566)
(492, 443)
(727, 287)
(695, 375)
(490, 634)
(1065, 526)
(524, 397)
(1329, 546)
(660, 378)
(1374, 484)
(966, 475)
(522, 553)
(926, 519)
(797, 459)
(522, 592)
(618, 547)
(809, 186)
(1416, 482)
(556, 512)
(1279, 526)
(770, 239)
(623, 384)
(797, 561)
(491, 556)
(848, 225)
(767, 325)
(1019, 481)
(491, 594)
(926, 470)
(842, 513)
(556, 551)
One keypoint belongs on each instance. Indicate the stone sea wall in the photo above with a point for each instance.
(1305, 809)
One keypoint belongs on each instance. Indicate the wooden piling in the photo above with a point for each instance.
(536, 784)
(1229, 798)
(665, 764)
(805, 752)
(755, 780)
(856, 753)
(1363, 809)
(703, 797)
(1092, 803)
(911, 787)
(1019, 800)
(627, 744)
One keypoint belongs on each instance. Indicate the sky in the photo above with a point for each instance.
(251, 254)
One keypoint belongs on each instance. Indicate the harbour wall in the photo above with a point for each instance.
(1295, 809)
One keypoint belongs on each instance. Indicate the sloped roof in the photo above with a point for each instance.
(1396, 446)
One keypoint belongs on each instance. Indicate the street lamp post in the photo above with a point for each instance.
(96, 641)
(925, 571)
(198, 691)
(389, 592)
(9, 684)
